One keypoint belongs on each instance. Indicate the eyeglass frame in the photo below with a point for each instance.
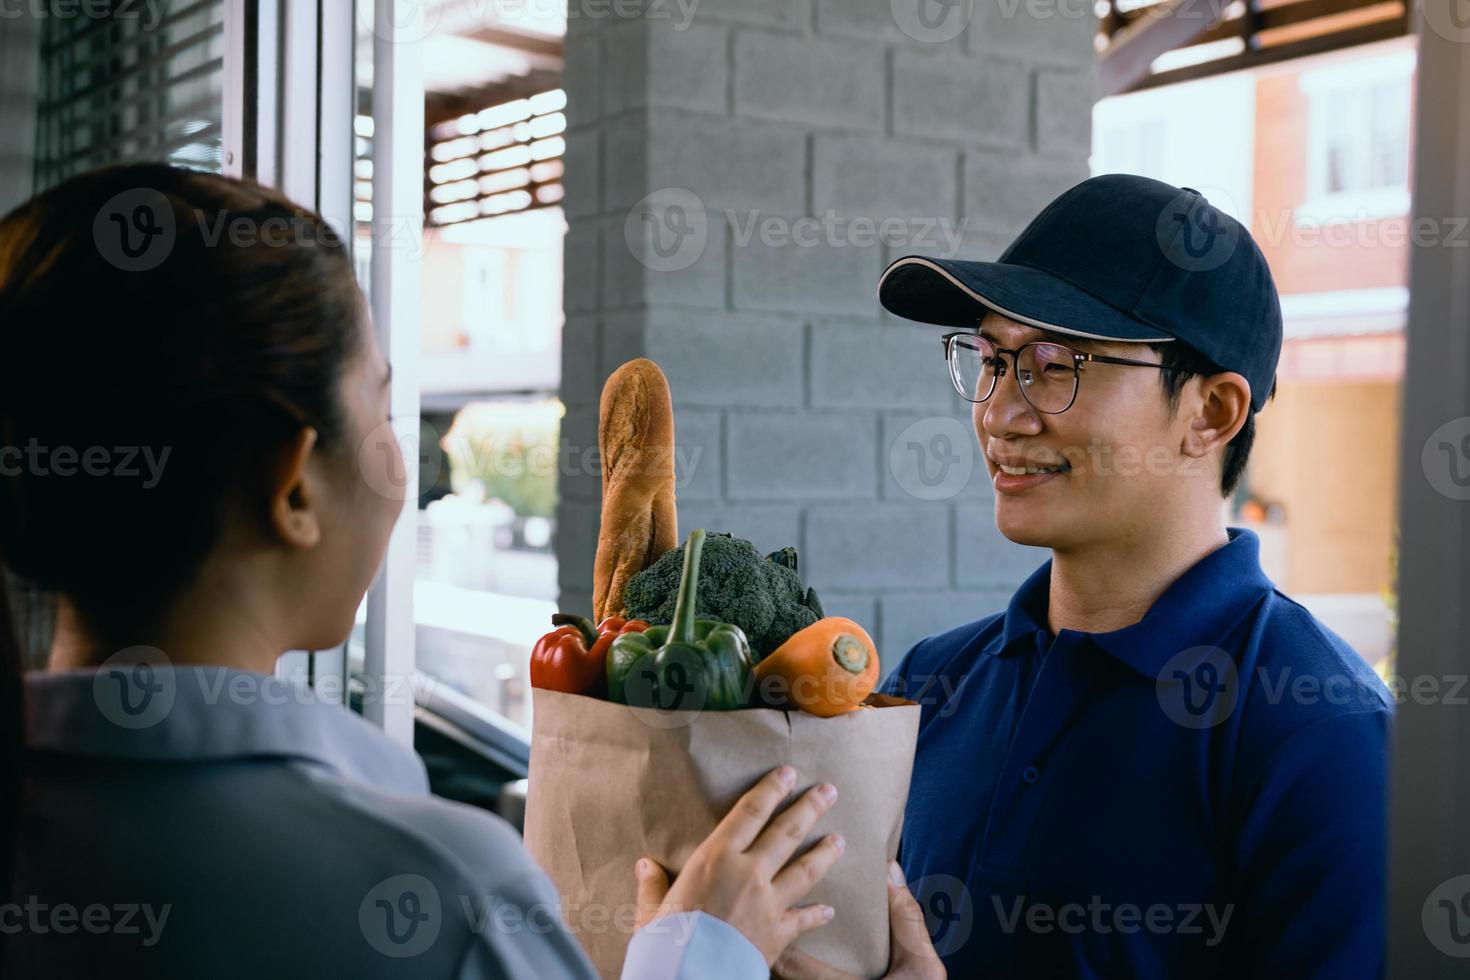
(1078, 359)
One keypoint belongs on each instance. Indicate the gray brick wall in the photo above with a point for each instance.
(736, 183)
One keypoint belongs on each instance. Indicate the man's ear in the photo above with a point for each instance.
(294, 495)
(1222, 405)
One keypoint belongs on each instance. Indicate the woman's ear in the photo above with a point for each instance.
(1224, 404)
(295, 496)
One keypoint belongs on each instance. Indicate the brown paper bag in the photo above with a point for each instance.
(609, 784)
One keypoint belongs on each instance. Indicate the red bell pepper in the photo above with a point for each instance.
(573, 657)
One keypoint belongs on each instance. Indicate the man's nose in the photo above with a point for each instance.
(1006, 411)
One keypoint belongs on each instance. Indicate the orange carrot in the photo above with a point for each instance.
(826, 669)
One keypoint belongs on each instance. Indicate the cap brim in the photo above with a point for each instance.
(952, 293)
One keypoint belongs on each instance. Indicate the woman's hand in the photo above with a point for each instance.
(741, 874)
(913, 953)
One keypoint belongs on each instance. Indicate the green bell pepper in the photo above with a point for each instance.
(689, 665)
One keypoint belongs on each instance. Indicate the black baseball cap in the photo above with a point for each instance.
(1121, 258)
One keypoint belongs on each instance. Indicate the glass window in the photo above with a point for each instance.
(131, 87)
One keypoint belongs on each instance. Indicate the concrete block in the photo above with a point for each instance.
(880, 366)
(984, 101)
(877, 546)
(802, 456)
(808, 80)
(858, 176)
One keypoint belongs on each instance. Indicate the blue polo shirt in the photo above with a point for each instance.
(1203, 793)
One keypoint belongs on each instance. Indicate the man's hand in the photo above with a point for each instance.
(913, 953)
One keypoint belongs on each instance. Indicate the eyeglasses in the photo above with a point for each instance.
(1048, 374)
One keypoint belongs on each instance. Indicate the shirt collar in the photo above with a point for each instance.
(1202, 604)
(207, 714)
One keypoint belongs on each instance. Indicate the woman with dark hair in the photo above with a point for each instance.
(192, 380)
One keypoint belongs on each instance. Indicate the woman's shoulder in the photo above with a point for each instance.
(457, 840)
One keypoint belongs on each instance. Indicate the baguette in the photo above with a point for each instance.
(635, 436)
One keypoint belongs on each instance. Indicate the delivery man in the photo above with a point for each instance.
(1152, 763)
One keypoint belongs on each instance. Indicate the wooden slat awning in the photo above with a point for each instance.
(1198, 38)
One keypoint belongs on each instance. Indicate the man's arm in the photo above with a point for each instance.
(1311, 857)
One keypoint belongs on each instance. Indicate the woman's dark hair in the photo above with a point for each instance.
(162, 331)
(1184, 362)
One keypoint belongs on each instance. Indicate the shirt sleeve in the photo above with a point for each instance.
(1311, 860)
(692, 946)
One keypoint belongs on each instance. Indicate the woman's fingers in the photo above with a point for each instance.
(800, 921)
(743, 823)
(653, 886)
(800, 876)
(780, 840)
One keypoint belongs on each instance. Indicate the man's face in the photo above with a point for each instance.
(1119, 447)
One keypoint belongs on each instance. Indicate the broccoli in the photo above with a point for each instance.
(764, 596)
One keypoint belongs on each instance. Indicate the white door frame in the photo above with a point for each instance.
(290, 96)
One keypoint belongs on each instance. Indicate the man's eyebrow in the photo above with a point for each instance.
(1050, 336)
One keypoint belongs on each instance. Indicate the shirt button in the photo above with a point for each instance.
(1030, 775)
